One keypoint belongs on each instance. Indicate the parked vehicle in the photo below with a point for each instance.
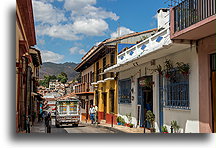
(67, 112)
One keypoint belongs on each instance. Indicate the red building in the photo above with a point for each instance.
(28, 61)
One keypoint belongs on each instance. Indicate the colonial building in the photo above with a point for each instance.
(103, 86)
(195, 21)
(84, 90)
(151, 78)
(28, 61)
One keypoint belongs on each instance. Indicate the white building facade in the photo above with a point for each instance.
(150, 79)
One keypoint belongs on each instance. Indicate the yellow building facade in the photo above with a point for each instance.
(105, 84)
(105, 88)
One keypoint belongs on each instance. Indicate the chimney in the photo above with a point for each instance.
(163, 18)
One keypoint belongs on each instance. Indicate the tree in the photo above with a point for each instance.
(46, 80)
(53, 77)
(62, 77)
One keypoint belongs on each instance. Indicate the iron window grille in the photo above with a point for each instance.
(174, 91)
(124, 91)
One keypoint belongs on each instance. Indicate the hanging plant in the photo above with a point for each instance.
(183, 68)
(148, 82)
(158, 70)
(169, 70)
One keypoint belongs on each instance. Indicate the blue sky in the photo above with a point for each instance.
(67, 29)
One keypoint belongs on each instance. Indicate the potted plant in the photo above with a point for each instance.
(129, 120)
(175, 126)
(119, 120)
(131, 125)
(123, 122)
(183, 68)
(164, 129)
(150, 117)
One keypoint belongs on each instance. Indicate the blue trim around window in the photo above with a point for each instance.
(175, 94)
(124, 91)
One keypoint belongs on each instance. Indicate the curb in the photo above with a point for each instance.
(109, 128)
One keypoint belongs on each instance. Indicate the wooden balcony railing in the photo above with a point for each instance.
(83, 87)
(190, 12)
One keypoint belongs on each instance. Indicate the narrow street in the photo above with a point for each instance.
(86, 129)
(40, 128)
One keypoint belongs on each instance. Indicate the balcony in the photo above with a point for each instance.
(149, 45)
(83, 88)
(157, 46)
(193, 19)
(102, 76)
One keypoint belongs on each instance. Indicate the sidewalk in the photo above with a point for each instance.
(118, 128)
(38, 127)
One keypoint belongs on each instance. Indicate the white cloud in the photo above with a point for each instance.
(65, 32)
(41, 41)
(122, 31)
(49, 56)
(91, 27)
(46, 13)
(155, 16)
(77, 50)
(92, 12)
(85, 19)
(74, 50)
(77, 4)
(82, 52)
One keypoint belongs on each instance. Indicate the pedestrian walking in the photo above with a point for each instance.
(48, 122)
(27, 124)
(96, 113)
(92, 114)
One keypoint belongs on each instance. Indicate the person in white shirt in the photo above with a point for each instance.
(92, 114)
(96, 113)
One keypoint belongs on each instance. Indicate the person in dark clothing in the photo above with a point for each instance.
(48, 122)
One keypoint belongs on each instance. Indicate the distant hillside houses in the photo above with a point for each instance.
(56, 89)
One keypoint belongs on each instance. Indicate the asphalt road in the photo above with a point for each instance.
(80, 129)
(86, 129)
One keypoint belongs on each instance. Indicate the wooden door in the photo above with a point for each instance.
(214, 99)
(105, 104)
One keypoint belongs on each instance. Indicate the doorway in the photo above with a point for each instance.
(105, 104)
(145, 85)
(112, 101)
(213, 83)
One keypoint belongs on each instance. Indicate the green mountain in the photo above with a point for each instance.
(48, 68)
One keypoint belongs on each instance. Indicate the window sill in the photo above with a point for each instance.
(178, 109)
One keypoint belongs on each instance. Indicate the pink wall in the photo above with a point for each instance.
(206, 47)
